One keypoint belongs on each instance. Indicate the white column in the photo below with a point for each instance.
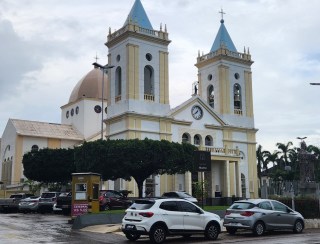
(226, 187)
(238, 180)
(188, 182)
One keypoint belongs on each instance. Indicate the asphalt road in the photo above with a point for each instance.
(50, 228)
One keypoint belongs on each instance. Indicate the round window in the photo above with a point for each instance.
(237, 76)
(106, 110)
(148, 56)
(72, 112)
(67, 114)
(97, 109)
(77, 109)
(210, 77)
(118, 58)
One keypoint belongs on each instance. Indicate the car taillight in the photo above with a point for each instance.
(247, 213)
(100, 198)
(146, 214)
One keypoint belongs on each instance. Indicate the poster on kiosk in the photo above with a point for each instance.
(85, 193)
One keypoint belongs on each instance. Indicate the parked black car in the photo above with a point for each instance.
(64, 201)
(47, 200)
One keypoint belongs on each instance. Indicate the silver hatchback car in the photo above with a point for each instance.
(260, 215)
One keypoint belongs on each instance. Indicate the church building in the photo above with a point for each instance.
(133, 102)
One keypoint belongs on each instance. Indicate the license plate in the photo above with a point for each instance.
(130, 227)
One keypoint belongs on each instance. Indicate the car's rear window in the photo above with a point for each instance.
(242, 205)
(48, 195)
(16, 196)
(184, 194)
(142, 204)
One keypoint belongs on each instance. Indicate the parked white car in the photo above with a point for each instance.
(159, 218)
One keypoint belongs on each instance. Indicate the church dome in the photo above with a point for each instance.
(90, 86)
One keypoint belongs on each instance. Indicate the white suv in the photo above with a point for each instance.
(161, 217)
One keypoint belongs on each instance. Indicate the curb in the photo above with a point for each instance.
(86, 220)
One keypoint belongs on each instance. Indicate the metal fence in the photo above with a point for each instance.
(290, 188)
(301, 196)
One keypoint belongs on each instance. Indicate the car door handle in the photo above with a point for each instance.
(279, 215)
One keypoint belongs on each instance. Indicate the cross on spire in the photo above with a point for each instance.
(222, 13)
(96, 57)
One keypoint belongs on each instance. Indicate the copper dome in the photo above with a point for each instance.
(90, 86)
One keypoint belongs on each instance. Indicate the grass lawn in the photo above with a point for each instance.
(212, 208)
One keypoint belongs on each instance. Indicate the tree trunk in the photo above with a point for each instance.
(140, 188)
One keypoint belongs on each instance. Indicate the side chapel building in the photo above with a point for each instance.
(218, 117)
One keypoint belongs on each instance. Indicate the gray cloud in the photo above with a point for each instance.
(17, 58)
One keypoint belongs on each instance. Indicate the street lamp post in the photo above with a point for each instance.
(103, 68)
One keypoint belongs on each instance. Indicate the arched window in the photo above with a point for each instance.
(34, 148)
(211, 96)
(148, 80)
(118, 82)
(237, 96)
(197, 140)
(186, 138)
(208, 141)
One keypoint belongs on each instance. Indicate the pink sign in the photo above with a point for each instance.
(79, 209)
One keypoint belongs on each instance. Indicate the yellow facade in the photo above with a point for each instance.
(17, 172)
(249, 99)
(54, 143)
(224, 84)
(132, 72)
(253, 174)
(164, 77)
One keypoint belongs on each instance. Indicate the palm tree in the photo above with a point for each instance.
(273, 158)
(285, 150)
(261, 158)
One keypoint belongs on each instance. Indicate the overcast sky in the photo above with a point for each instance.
(47, 46)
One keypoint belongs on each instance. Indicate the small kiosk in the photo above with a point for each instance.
(85, 193)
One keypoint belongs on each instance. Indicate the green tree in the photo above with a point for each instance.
(134, 158)
(49, 165)
(34, 187)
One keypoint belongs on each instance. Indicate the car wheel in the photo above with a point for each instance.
(258, 228)
(132, 237)
(158, 234)
(231, 230)
(298, 226)
(212, 231)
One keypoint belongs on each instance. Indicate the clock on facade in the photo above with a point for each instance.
(196, 112)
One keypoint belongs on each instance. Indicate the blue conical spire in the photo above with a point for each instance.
(223, 39)
(138, 15)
